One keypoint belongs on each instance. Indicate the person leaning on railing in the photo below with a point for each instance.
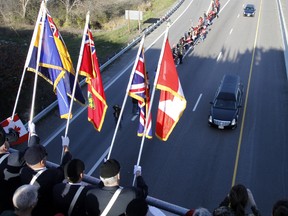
(36, 173)
(112, 198)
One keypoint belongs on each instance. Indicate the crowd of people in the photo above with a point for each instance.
(30, 188)
(195, 33)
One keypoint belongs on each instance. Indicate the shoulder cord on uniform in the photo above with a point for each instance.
(3, 157)
(77, 194)
(36, 176)
(111, 202)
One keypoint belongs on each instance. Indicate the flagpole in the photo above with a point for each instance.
(77, 70)
(76, 77)
(151, 102)
(28, 59)
(43, 8)
(126, 95)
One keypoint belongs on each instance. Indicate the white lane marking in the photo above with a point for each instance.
(238, 16)
(231, 31)
(199, 98)
(219, 56)
(222, 8)
(134, 117)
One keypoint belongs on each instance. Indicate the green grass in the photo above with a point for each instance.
(108, 43)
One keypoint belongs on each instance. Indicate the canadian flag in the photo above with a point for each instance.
(18, 126)
(172, 102)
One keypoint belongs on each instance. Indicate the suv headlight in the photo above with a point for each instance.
(233, 122)
(210, 119)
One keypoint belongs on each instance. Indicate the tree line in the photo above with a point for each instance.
(67, 12)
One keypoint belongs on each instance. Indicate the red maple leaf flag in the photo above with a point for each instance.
(18, 126)
(172, 102)
(90, 68)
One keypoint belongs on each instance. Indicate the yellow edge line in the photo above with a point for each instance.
(246, 99)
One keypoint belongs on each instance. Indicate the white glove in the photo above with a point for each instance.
(251, 198)
(65, 141)
(31, 127)
(137, 170)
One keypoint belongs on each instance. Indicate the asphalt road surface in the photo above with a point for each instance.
(198, 164)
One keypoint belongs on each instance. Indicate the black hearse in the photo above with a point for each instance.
(225, 107)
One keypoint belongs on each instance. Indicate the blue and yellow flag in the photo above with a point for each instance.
(55, 64)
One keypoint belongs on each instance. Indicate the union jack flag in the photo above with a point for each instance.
(89, 41)
(53, 27)
(139, 90)
(90, 65)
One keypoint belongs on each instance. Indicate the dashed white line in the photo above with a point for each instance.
(219, 56)
(197, 102)
(231, 31)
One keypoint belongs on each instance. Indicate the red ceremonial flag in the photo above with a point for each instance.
(18, 126)
(90, 68)
(172, 101)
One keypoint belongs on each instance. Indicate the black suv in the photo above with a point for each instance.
(225, 107)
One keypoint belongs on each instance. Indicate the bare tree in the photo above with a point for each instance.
(2, 7)
(69, 5)
(24, 4)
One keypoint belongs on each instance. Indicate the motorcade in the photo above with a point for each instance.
(249, 10)
(225, 107)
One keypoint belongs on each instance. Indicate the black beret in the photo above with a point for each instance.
(109, 168)
(35, 154)
(74, 168)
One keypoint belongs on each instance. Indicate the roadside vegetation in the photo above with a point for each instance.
(110, 31)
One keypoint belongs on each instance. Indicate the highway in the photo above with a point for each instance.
(198, 164)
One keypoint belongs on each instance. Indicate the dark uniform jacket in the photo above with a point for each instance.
(63, 194)
(103, 196)
(46, 182)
